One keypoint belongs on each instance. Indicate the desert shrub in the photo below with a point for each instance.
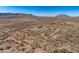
(23, 49)
(3, 35)
(1, 49)
(61, 51)
(8, 47)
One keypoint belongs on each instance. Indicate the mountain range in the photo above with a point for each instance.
(22, 15)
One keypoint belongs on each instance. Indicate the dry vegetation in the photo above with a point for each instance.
(39, 36)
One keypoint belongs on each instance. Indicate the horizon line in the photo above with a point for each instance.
(40, 15)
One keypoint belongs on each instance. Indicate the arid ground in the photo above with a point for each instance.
(34, 34)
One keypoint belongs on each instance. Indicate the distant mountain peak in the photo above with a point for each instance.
(15, 15)
(61, 16)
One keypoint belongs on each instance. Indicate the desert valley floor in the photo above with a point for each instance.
(30, 35)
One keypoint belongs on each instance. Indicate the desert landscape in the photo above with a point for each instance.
(26, 33)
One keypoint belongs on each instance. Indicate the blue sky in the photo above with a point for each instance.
(42, 10)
